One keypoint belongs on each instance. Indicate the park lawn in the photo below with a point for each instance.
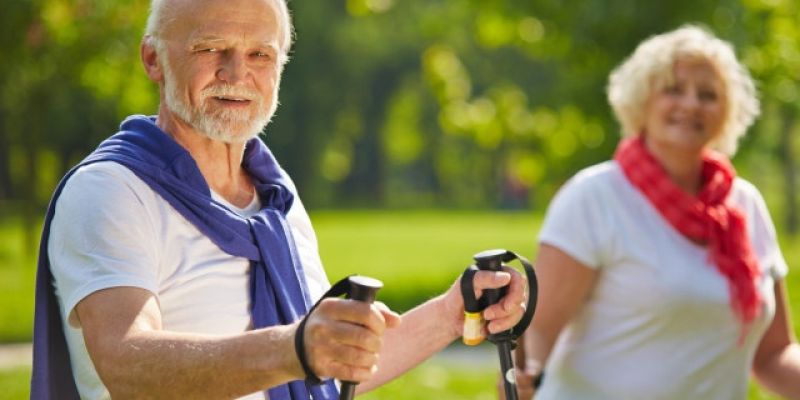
(17, 279)
(15, 383)
(430, 380)
(416, 254)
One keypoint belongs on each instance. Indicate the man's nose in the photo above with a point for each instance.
(233, 69)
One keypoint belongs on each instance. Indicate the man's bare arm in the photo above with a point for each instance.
(135, 358)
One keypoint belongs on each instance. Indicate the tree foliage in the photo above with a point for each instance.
(459, 103)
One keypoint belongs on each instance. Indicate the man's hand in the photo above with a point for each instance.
(500, 316)
(343, 338)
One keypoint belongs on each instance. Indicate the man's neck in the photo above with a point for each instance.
(219, 162)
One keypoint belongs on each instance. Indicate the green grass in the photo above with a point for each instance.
(416, 254)
(441, 381)
(15, 383)
(17, 276)
(430, 380)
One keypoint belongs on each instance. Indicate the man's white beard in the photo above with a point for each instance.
(225, 125)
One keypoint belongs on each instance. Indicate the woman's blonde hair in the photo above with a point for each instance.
(650, 67)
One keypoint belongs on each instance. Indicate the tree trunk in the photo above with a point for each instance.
(790, 181)
(31, 135)
(5, 161)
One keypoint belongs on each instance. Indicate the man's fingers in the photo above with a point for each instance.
(515, 300)
(391, 318)
(346, 372)
(504, 323)
(490, 280)
(343, 338)
(356, 312)
(347, 323)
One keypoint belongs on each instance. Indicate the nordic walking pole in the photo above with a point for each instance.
(363, 289)
(492, 260)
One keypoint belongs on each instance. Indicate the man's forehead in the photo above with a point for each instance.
(220, 18)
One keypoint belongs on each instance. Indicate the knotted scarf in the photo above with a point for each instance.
(707, 218)
(278, 291)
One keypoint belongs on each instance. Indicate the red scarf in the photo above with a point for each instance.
(706, 218)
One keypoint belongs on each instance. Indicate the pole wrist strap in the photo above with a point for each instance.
(338, 289)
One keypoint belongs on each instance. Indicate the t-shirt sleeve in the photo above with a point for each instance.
(101, 236)
(574, 221)
(306, 241)
(765, 238)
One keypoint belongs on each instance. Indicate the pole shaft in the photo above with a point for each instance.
(507, 369)
(348, 391)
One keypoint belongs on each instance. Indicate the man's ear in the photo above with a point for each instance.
(150, 60)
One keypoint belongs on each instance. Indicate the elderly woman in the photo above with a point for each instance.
(660, 272)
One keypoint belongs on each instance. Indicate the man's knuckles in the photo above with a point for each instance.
(347, 372)
(356, 312)
(348, 363)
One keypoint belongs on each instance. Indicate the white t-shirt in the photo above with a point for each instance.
(657, 324)
(110, 229)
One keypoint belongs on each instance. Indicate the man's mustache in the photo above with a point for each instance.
(232, 92)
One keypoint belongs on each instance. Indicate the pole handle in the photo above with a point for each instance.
(364, 289)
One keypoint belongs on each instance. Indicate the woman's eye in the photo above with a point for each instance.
(708, 95)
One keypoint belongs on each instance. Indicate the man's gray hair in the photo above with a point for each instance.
(159, 17)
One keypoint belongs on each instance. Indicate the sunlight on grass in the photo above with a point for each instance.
(17, 276)
(416, 254)
(15, 383)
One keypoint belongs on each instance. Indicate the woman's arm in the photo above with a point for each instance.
(776, 365)
(564, 285)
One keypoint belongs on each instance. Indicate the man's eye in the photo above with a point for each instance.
(261, 54)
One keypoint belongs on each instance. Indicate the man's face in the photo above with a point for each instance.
(222, 66)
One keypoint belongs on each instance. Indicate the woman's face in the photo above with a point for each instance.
(687, 114)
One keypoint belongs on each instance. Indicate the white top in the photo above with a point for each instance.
(657, 324)
(110, 229)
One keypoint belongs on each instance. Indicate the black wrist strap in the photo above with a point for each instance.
(338, 289)
(537, 380)
(299, 348)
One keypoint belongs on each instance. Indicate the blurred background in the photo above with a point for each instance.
(418, 132)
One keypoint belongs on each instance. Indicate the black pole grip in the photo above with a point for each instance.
(364, 289)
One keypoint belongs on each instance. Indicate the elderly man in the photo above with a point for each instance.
(177, 259)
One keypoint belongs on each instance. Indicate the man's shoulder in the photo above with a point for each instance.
(105, 182)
